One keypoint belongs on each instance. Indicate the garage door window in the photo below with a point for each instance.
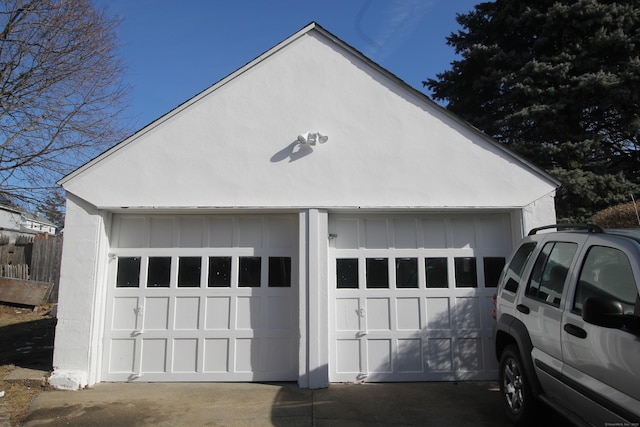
(437, 272)
(347, 273)
(128, 275)
(377, 273)
(189, 272)
(249, 272)
(406, 272)
(159, 274)
(466, 273)
(219, 272)
(492, 269)
(280, 272)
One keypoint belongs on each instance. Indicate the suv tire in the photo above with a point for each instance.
(517, 398)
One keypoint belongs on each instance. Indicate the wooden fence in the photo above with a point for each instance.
(33, 258)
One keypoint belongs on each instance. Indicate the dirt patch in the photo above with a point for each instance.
(26, 341)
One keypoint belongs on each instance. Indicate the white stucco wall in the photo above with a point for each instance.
(80, 304)
(538, 213)
(235, 145)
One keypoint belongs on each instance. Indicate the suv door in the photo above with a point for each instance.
(602, 365)
(540, 307)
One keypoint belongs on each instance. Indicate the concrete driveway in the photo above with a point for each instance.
(281, 404)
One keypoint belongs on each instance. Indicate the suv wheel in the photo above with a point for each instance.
(517, 398)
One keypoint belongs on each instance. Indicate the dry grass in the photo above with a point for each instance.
(17, 397)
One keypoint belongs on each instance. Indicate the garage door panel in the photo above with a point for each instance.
(379, 355)
(170, 320)
(410, 355)
(154, 355)
(375, 233)
(221, 232)
(125, 313)
(348, 356)
(187, 313)
(279, 313)
(250, 232)
(161, 234)
(468, 313)
(280, 233)
(434, 233)
(347, 233)
(121, 357)
(405, 233)
(156, 313)
(438, 313)
(470, 354)
(347, 314)
(409, 314)
(247, 355)
(279, 355)
(185, 355)
(218, 313)
(492, 234)
(248, 310)
(431, 320)
(381, 321)
(440, 354)
(216, 355)
(131, 232)
(191, 235)
(463, 233)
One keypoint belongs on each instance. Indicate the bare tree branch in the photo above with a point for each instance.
(61, 92)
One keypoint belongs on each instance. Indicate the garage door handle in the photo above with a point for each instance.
(523, 309)
(574, 330)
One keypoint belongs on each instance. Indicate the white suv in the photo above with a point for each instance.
(568, 326)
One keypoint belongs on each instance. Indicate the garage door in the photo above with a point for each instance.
(410, 296)
(202, 298)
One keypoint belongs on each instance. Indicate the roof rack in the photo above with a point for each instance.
(592, 228)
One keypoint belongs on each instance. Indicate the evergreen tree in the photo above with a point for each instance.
(53, 208)
(557, 81)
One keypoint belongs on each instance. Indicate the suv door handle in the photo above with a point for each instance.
(523, 309)
(574, 330)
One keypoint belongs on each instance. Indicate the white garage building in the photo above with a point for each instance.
(223, 242)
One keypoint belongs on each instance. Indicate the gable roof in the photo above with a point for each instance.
(334, 44)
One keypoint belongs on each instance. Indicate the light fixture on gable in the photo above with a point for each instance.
(311, 138)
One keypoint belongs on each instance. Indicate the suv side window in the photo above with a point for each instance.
(606, 272)
(516, 266)
(550, 271)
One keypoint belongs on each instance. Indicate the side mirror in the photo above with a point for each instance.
(603, 312)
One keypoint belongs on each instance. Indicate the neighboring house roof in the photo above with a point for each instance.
(12, 209)
(37, 219)
(215, 141)
(19, 221)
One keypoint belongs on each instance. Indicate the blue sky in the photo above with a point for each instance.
(174, 49)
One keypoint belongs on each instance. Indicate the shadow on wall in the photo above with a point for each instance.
(293, 152)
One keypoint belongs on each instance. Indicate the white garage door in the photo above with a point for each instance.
(410, 296)
(202, 298)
